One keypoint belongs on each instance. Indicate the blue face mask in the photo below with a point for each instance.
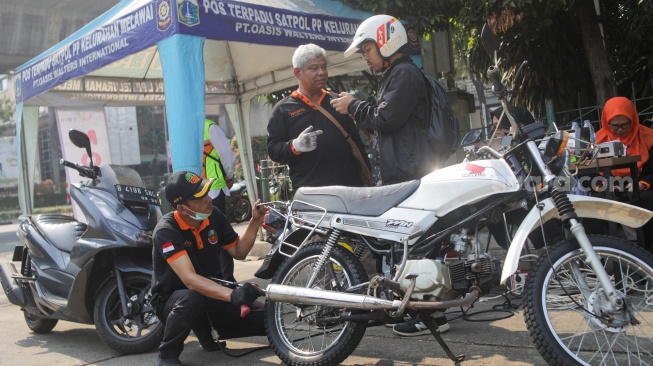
(198, 215)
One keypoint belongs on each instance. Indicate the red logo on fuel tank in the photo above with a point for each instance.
(474, 169)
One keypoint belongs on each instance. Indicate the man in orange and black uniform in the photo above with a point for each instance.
(302, 137)
(187, 243)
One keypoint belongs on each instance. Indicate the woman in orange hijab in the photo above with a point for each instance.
(619, 121)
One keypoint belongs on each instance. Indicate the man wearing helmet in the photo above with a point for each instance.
(399, 118)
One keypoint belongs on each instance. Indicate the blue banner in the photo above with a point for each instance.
(244, 22)
(131, 33)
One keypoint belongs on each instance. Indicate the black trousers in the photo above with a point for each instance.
(187, 310)
(225, 260)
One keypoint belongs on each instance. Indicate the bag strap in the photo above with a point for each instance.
(365, 174)
(335, 122)
(224, 173)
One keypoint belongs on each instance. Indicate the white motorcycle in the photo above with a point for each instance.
(588, 298)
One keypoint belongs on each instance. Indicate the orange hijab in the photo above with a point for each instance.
(639, 139)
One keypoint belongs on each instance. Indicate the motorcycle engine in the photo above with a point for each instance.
(432, 283)
(438, 280)
(483, 272)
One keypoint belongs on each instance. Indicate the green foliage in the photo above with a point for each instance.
(259, 151)
(7, 109)
(547, 34)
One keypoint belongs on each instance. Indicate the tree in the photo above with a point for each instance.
(568, 61)
(7, 109)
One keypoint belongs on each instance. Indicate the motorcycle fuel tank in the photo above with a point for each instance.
(448, 188)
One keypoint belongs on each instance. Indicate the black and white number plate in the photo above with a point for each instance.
(137, 194)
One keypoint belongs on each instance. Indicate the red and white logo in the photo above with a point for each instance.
(474, 169)
(168, 247)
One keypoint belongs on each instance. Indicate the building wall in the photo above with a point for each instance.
(30, 30)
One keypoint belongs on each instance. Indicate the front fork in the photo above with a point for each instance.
(567, 213)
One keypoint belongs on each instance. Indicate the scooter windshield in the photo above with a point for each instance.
(110, 175)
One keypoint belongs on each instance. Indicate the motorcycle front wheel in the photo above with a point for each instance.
(569, 317)
(134, 332)
(292, 330)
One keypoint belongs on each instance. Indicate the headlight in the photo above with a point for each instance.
(555, 146)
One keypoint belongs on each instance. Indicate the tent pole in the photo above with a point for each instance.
(24, 171)
(244, 144)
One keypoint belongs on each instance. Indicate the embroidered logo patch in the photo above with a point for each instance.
(293, 113)
(192, 178)
(213, 237)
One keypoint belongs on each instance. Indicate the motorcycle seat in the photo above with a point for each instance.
(367, 201)
(59, 230)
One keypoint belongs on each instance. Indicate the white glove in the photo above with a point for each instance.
(307, 140)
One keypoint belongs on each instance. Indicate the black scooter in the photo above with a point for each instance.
(96, 273)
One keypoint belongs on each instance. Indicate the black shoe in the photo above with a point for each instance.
(168, 361)
(402, 319)
(415, 327)
(213, 346)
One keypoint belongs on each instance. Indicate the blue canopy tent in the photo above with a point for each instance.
(186, 52)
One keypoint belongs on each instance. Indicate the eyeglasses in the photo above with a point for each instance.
(622, 126)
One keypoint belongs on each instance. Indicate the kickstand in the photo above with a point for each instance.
(433, 327)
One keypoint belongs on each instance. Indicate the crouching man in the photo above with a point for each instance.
(187, 245)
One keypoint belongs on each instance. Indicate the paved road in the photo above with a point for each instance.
(483, 340)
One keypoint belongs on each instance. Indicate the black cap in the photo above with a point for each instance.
(184, 185)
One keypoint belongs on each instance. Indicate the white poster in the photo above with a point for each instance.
(123, 135)
(8, 162)
(91, 122)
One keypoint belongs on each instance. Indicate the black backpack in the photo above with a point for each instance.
(443, 125)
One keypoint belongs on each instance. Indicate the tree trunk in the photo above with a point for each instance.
(597, 56)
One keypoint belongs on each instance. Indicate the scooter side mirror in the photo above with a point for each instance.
(81, 140)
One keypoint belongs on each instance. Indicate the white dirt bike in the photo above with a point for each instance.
(588, 299)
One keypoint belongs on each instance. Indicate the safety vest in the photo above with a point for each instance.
(211, 167)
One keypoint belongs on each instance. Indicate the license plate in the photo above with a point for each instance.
(137, 194)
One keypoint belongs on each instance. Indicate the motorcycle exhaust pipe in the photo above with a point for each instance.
(309, 296)
(14, 293)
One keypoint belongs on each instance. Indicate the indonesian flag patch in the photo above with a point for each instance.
(168, 247)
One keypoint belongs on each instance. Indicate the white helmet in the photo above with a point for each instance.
(388, 33)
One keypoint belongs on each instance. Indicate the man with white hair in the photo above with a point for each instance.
(302, 131)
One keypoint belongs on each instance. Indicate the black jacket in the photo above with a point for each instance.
(332, 162)
(400, 118)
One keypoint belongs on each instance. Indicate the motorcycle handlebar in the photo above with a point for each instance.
(83, 171)
(497, 86)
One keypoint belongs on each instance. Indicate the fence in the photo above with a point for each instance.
(563, 119)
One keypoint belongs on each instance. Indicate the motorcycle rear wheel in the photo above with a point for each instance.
(38, 324)
(139, 331)
(302, 341)
(242, 209)
(563, 318)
